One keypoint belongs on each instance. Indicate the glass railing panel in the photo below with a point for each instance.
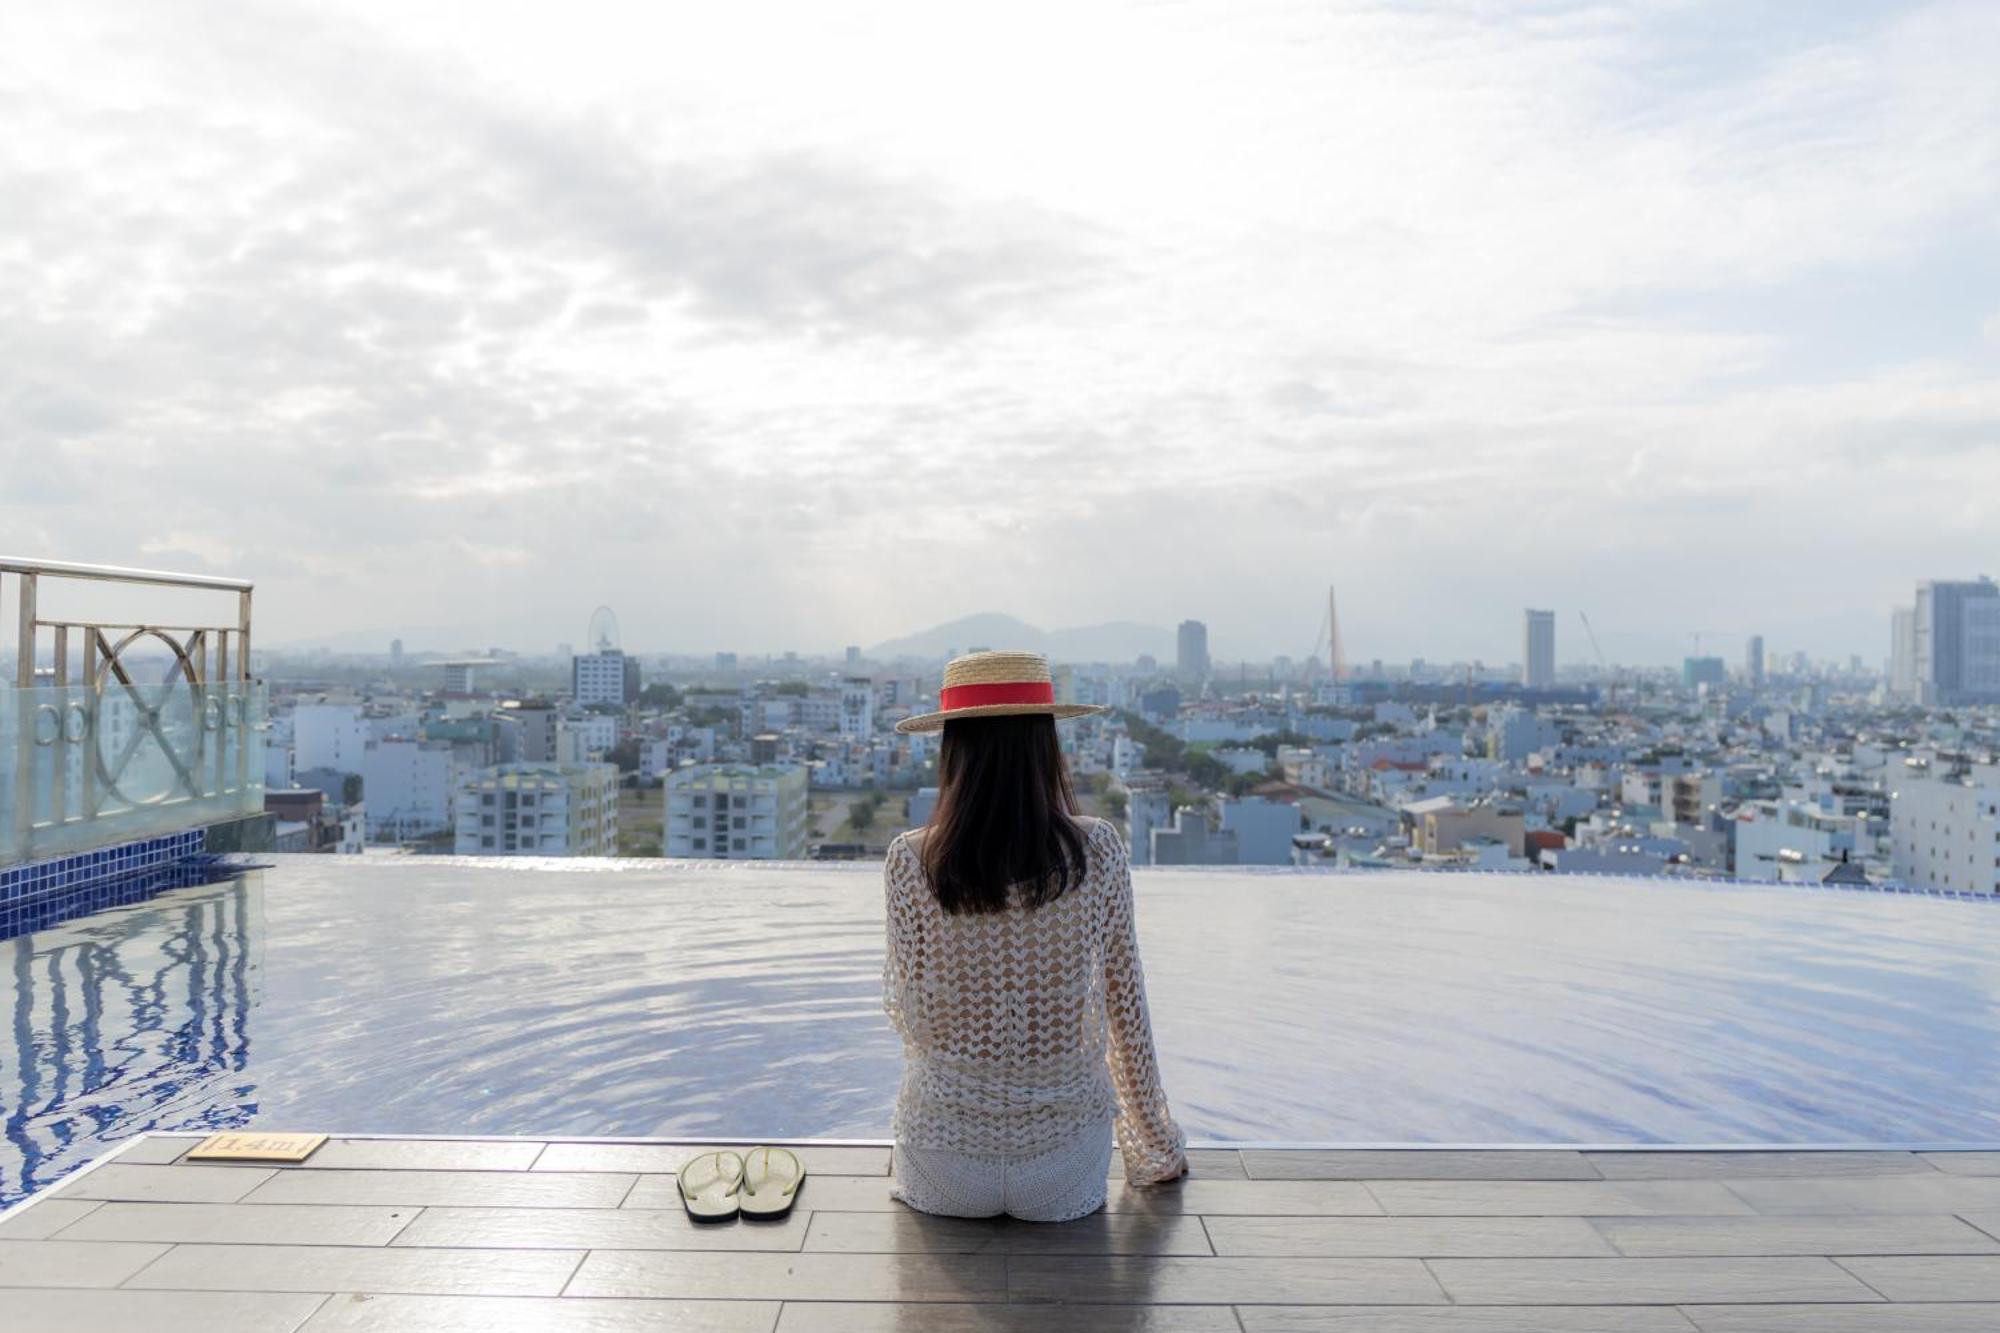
(84, 767)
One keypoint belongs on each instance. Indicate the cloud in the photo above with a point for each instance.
(1186, 314)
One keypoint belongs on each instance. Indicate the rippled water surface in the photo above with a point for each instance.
(447, 996)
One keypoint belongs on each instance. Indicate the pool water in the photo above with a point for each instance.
(619, 998)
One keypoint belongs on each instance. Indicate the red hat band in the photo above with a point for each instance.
(953, 697)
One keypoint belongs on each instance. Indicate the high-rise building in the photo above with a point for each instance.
(1698, 671)
(539, 810)
(1903, 652)
(1538, 649)
(1753, 661)
(1191, 658)
(605, 677)
(737, 811)
(395, 652)
(1957, 641)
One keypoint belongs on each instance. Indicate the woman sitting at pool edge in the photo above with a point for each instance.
(1012, 971)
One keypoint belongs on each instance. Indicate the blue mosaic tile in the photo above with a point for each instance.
(43, 893)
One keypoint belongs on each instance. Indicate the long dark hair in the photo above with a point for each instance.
(1005, 817)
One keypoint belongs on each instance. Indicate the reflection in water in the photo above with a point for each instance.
(132, 1019)
(449, 997)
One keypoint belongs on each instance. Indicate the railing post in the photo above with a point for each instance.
(221, 681)
(24, 674)
(93, 699)
(59, 752)
(24, 725)
(243, 733)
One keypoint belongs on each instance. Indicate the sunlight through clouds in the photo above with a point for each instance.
(783, 325)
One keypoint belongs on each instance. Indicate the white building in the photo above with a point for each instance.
(539, 810)
(1512, 734)
(278, 767)
(607, 677)
(1303, 766)
(408, 787)
(1796, 842)
(857, 708)
(1538, 649)
(328, 736)
(1945, 834)
(458, 674)
(594, 734)
(737, 811)
(1242, 760)
(1903, 653)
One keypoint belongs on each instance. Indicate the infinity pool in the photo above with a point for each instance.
(651, 998)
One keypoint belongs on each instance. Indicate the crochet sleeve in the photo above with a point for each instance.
(901, 957)
(1152, 1144)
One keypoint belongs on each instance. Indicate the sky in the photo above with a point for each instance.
(789, 325)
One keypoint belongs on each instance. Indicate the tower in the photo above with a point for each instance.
(1538, 649)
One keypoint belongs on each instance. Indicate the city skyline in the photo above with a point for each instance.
(777, 325)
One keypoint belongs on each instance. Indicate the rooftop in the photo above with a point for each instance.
(410, 1234)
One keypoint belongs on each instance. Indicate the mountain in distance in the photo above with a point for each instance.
(1115, 641)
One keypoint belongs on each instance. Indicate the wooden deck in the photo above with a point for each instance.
(421, 1234)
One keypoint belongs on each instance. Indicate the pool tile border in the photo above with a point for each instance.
(39, 894)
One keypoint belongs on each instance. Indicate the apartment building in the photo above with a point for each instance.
(539, 810)
(737, 811)
(1945, 834)
(408, 785)
(607, 677)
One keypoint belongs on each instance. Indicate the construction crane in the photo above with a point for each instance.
(1603, 665)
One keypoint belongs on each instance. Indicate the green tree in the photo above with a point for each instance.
(660, 695)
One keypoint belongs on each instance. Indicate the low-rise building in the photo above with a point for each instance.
(1795, 842)
(539, 810)
(738, 811)
(1264, 829)
(1193, 841)
(1441, 825)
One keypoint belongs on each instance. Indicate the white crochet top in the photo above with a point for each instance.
(1024, 1028)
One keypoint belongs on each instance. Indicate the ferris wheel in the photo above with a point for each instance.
(603, 635)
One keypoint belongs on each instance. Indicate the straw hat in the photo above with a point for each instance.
(995, 685)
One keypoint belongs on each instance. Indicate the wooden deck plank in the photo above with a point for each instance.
(492, 1235)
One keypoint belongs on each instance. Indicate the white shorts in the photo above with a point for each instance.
(1060, 1185)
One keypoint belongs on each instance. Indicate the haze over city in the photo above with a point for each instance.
(781, 326)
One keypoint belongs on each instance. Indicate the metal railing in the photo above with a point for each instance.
(96, 754)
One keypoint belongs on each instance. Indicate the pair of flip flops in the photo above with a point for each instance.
(761, 1184)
